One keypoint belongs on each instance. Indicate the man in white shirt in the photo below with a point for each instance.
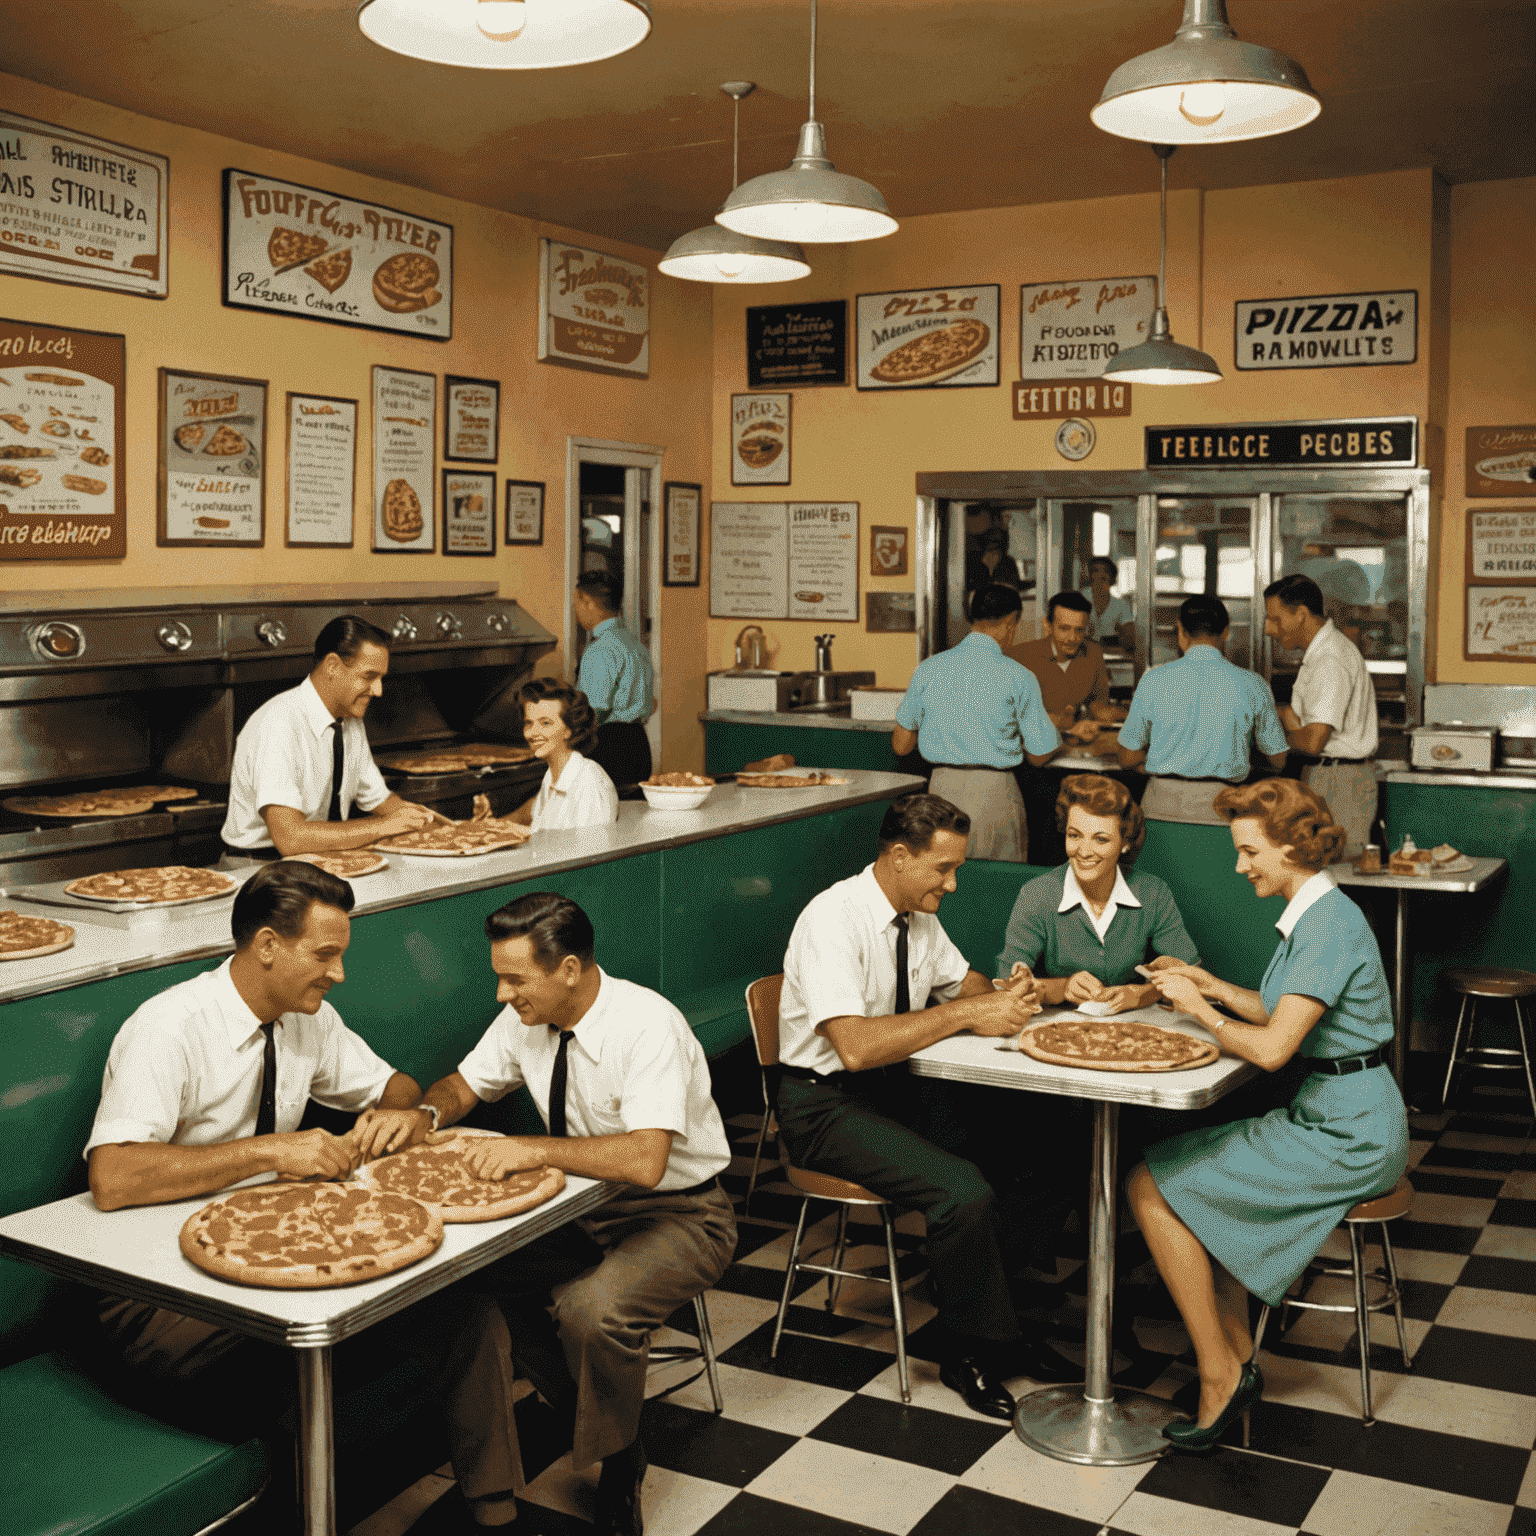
(1331, 719)
(866, 958)
(302, 761)
(205, 1086)
(623, 1088)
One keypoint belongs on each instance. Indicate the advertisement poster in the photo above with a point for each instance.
(680, 534)
(525, 512)
(404, 461)
(792, 345)
(1070, 330)
(62, 439)
(469, 512)
(322, 470)
(760, 439)
(1501, 461)
(823, 560)
(1336, 330)
(928, 338)
(295, 250)
(213, 459)
(1501, 624)
(471, 419)
(76, 209)
(594, 310)
(748, 560)
(1501, 545)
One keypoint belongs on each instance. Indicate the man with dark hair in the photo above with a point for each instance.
(630, 1103)
(302, 761)
(975, 714)
(617, 677)
(1111, 619)
(1331, 719)
(865, 962)
(1192, 722)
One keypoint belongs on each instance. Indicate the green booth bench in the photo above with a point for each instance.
(694, 904)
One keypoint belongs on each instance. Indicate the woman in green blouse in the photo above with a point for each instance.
(1084, 928)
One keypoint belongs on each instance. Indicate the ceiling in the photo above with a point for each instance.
(943, 104)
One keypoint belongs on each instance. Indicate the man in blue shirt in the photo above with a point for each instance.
(1192, 720)
(975, 715)
(617, 677)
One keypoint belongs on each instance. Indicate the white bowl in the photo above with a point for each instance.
(676, 797)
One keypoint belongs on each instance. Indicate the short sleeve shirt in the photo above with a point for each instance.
(616, 674)
(1106, 625)
(584, 797)
(1334, 688)
(841, 962)
(633, 1065)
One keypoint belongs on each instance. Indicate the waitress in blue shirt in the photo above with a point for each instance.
(618, 679)
(1245, 1207)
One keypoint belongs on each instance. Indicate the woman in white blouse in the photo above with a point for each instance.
(558, 723)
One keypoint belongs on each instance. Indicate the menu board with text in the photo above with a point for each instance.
(823, 560)
(404, 461)
(748, 560)
(1501, 624)
(322, 470)
(213, 452)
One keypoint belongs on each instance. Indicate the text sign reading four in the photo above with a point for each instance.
(1336, 330)
(1391, 440)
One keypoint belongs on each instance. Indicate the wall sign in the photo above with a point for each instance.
(594, 310)
(928, 338)
(760, 439)
(887, 551)
(1057, 399)
(295, 250)
(1286, 444)
(1501, 461)
(1501, 624)
(823, 560)
(62, 440)
(1336, 330)
(525, 512)
(471, 419)
(469, 512)
(322, 470)
(404, 461)
(680, 534)
(1501, 545)
(213, 460)
(748, 560)
(890, 613)
(797, 344)
(1072, 329)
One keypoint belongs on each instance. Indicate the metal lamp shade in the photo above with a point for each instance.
(555, 33)
(717, 255)
(1161, 360)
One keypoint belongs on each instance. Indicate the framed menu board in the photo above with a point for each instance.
(471, 419)
(469, 512)
(213, 460)
(1501, 544)
(404, 461)
(322, 471)
(594, 310)
(1501, 624)
(784, 560)
(823, 560)
(794, 345)
(680, 534)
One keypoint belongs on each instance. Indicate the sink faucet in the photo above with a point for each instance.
(759, 647)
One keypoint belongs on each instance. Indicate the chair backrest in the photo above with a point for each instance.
(763, 1010)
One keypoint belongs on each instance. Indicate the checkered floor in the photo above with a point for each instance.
(818, 1443)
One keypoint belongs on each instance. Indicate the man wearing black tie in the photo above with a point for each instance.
(302, 761)
(623, 1087)
(870, 976)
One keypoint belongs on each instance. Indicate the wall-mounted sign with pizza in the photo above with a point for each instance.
(213, 459)
(928, 338)
(294, 250)
(404, 461)
(1071, 329)
(594, 310)
(760, 439)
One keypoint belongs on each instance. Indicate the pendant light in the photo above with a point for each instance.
(1160, 359)
(812, 201)
(1206, 87)
(715, 254)
(506, 34)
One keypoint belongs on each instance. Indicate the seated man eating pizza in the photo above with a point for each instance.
(205, 1086)
(631, 1103)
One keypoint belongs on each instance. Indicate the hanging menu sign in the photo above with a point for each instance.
(404, 468)
(1339, 330)
(322, 470)
(1501, 546)
(1391, 440)
(797, 344)
(1070, 330)
(748, 560)
(594, 310)
(824, 560)
(1501, 624)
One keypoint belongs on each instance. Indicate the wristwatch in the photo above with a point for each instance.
(434, 1111)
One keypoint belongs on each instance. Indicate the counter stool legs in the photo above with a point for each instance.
(674, 1354)
(1478, 1055)
(317, 1463)
(707, 1348)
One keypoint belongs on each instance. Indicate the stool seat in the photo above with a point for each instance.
(1385, 1207)
(825, 1186)
(1490, 981)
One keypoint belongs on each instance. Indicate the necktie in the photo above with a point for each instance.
(266, 1108)
(334, 814)
(557, 1086)
(903, 994)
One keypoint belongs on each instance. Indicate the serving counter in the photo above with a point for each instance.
(734, 737)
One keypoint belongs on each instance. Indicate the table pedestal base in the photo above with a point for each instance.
(1125, 1430)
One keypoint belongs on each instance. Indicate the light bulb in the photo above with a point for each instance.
(500, 20)
(731, 263)
(1202, 105)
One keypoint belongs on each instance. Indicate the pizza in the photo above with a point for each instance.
(63, 380)
(406, 283)
(1116, 1045)
(306, 1236)
(770, 764)
(759, 450)
(426, 763)
(348, 863)
(133, 800)
(457, 840)
(289, 248)
(85, 483)
(22, 451)
(401, 512)
(934, 355)
(225, 443)
(95, 456)
(807, 780)
(11, 419)
(481, 754)
(161, 886)
(23, 938)
(435, 1174)
(331, 270)
(20, 478)
(189, 435)
(679, 780)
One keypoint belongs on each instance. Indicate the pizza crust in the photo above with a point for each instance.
(25, 938)
(350, 864)
(1055, 1046)
(460, 840)
(168, 885)
(434, 1173)
(134, 800)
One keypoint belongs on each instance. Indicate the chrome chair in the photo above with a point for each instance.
(1489, 981)
(677, 1354)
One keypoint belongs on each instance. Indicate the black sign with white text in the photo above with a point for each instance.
(1391, 440)
(797, 344)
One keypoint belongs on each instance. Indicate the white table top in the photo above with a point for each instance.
(996, 1063)
(135, 1253)
(1483, 872)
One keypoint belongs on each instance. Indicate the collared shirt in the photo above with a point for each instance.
(1082, 680)
(973, 707)
(1309, 895)
(584, 797)
(841, 962)
(186, 1068)
(633, 1065)
(616, 674)
(1072, 896)
(1334, 688)
(1197, 715)
(284, 757)
(1106, 625)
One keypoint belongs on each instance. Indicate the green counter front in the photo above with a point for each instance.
(733, 738)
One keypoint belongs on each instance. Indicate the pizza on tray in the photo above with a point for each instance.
(162, 886)
(457, 840)
(934, 355)
(348, 864)
(435, 1174)
(308, 1236)
(1116, 1045)
(24, 938)
(132, 800)
(807, 780)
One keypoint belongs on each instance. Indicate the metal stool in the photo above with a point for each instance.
(673, 1354)
(1482, 981)
(1381, 1210)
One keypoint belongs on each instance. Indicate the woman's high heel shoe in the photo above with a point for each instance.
(1189, 1436)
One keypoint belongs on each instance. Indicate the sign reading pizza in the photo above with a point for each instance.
(928, 338)
(1337, 330)
(594, 310)
(1071, 329)
(294, 250)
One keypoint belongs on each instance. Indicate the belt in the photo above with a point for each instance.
(1184, 778)
(975, 767)
(831, 1079)
(694, 1189)
(1333, 762)
(266, 855)
(1342, 1066)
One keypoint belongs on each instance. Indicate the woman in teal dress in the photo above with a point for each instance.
(1246, 1206)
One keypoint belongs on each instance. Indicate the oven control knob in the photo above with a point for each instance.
(272, 632)
(57, 641)
(403, 630)
(448, 627)
(496, 621)
(174, 636)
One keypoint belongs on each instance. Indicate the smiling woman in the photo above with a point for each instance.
(559, 724)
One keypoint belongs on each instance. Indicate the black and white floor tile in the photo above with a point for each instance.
(818, 1442)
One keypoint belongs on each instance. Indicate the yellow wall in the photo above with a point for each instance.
(495, 330)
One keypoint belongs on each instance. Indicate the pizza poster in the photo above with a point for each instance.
(928, 338)
(213, 452)
(760, 439)
(823, 560)
(322, 470)
(295, 250)
(1071, 329)
(404, 461)
(471, 419)
(469, 512)
(1501, 461)
(62, 439)
(594, 310)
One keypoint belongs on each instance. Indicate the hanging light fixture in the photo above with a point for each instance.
(1160, 359)
(715, 254)
(1206, 87)
(506, 34)
(812, 201)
